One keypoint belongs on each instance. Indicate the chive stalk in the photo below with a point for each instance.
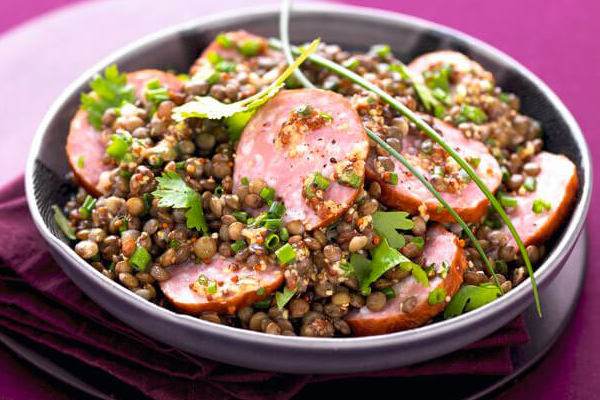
(398, 106)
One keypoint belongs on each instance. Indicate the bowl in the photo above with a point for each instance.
(355, 29)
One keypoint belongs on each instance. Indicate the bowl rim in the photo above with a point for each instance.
(544, 273)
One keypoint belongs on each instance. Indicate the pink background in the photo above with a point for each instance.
(557, 40)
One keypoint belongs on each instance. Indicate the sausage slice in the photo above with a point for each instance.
(265, 55)
(237, 285)
(557, 185)
(287, 150)
(86, 147)
(411, 308)
(465, 197)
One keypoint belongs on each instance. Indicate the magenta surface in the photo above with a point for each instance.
(556, 40)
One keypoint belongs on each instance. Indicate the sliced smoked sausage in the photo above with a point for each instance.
(259, 52)
(556, 184)
(86, 147)
(461, 193)
(297, 136)
(221, 286)
(411, 307)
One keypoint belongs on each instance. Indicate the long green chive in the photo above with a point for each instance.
(63, 223)
(286, 254)
(336, 68)
(276, 44)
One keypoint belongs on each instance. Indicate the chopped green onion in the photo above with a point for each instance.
(224, 41)
(474, 161)
(393, 178)
(350, 179)
(282, 298)
(241, 216)
(214, 58)
(286, 253)
(325, 116)
(212, 287)
(276, 209)
(272, 241)
(88, 205)
(436, 296)
(470, 113)
(260, 291)
(530, 184)
(202, 280)
(540, 205)
(80, 161)
(225, 66)
(239, 245)
(245, 181)
(504, 97)
(273, 223)
(438, 170)
(140, 258)
(264, 304)
(174, 244)
(63, 223)
(249, 48)
(321, 181)
(507, 201)
(505, 173)
(124, 225)
(389, 292)
(500, 267)
(180, 165)
(213, 78)
(267, 194)
(119, 146)
(380, 50)
(218, 191)
(284, 235)
(305, 110)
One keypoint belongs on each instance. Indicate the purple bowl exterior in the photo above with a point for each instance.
(351, 27)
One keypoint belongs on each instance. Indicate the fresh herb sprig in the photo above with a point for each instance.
(211, 108)
(110, 91)
(387, 223)
(398, 106)
(173, 192)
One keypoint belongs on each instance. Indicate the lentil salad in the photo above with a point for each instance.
(316, 287)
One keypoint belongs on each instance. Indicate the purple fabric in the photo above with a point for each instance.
(39, 302)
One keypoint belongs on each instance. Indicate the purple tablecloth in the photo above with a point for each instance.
(556, 40)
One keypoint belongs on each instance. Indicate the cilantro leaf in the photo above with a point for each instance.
(110, 91)
(173, 192)
(282, 298)
(469, 298)
(211, 108)
(387, 223)
(420, 275)
(384, 258)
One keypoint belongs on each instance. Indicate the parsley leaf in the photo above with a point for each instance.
(211, 108)
(110, 91)
(469, 298)
(282, 298)
(173, 192)
(387, 223)
(420, 275)
(384, 258)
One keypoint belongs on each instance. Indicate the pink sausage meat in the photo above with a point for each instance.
(409, 193)
(284, 159)
(236, 285)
